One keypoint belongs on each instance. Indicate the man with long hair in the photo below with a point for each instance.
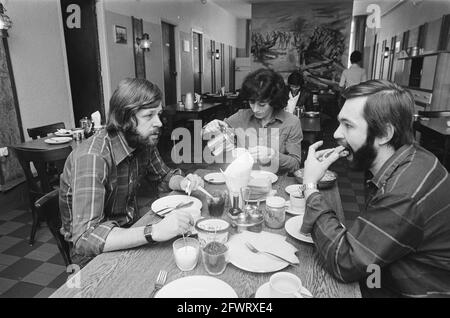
(97, 197)
(404, 229)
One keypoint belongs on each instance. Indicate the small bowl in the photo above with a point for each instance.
(212, 229)
(326, 182)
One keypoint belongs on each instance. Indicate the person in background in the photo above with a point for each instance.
(355, 74)
(97, 196)
(267, 95)
(404, 230)
(299, 96)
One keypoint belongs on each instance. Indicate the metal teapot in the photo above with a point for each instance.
(189, 101)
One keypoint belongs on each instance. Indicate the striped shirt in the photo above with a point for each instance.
(405, 228)
(98, 189)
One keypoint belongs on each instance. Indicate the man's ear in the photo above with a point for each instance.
(389, 133)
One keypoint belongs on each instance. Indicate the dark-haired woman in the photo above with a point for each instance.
(272, 135)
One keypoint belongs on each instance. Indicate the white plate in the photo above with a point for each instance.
(197, 287)
(291, 211)
(215, 178)
(173, 200)
(264, 291)
(57, 140)
(240, 256)
(261, 173)
(63, 133)
(293, 225)
(292, 188)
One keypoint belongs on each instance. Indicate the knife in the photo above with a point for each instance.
(164, 211)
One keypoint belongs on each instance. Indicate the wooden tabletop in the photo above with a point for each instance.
(40, 144)
(438, 125)
(132, 273)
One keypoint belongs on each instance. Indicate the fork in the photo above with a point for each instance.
(160, 281)
(255, 250)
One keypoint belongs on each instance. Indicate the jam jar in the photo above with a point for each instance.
(275, 213)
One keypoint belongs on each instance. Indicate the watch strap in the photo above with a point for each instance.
(148, 234)
(310, 186)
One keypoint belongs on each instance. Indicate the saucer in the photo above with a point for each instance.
(264, 291)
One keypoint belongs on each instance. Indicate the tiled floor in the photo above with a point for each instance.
(38, 270)
(27, 271)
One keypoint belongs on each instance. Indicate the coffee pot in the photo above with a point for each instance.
(189, 101)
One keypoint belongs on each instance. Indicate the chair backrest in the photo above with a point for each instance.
(40, 159)
(48, 208)
(43, 131)
(434, 114)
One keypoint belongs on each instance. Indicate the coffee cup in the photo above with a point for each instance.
(297, 202)
(285, 285)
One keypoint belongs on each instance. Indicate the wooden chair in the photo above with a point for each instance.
(40, 185)
(48, 208)
(43, 131)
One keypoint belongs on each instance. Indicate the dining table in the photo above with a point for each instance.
(132, 272)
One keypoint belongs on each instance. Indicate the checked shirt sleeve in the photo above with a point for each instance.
(161, 170)
(89, 227)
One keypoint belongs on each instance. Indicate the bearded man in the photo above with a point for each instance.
(97, 196)
(404, 230)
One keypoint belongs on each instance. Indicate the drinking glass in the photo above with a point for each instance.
(216, 205)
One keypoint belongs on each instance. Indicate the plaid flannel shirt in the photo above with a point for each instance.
(98, 188)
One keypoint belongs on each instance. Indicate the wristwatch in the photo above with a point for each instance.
(310, 186)
(148, 234)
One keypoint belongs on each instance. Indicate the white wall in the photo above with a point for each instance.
(39, 64)
(211, 20)
(406, 16)
(120, 56)
(409, 16)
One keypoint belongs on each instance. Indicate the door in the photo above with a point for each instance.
(83, 57)
(170, 73)
(197, 40)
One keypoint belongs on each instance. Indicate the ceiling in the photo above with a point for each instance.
(242, 8)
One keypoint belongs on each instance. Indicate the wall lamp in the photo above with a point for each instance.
(216, 54)
(5, 22)
(386, 52)
(144, 42)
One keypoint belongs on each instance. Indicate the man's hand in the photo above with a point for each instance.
(318, 162)
(262, 154)
(191, 183)
(174, 224)
(214, 127)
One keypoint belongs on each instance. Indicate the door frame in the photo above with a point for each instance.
(104, 57)
(176, 36)
(202, 54)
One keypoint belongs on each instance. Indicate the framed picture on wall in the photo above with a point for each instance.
(120, 34)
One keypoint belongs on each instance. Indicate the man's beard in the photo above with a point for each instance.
(364, 157)
(135, 140)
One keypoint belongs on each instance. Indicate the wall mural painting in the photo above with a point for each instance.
(310, 36)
